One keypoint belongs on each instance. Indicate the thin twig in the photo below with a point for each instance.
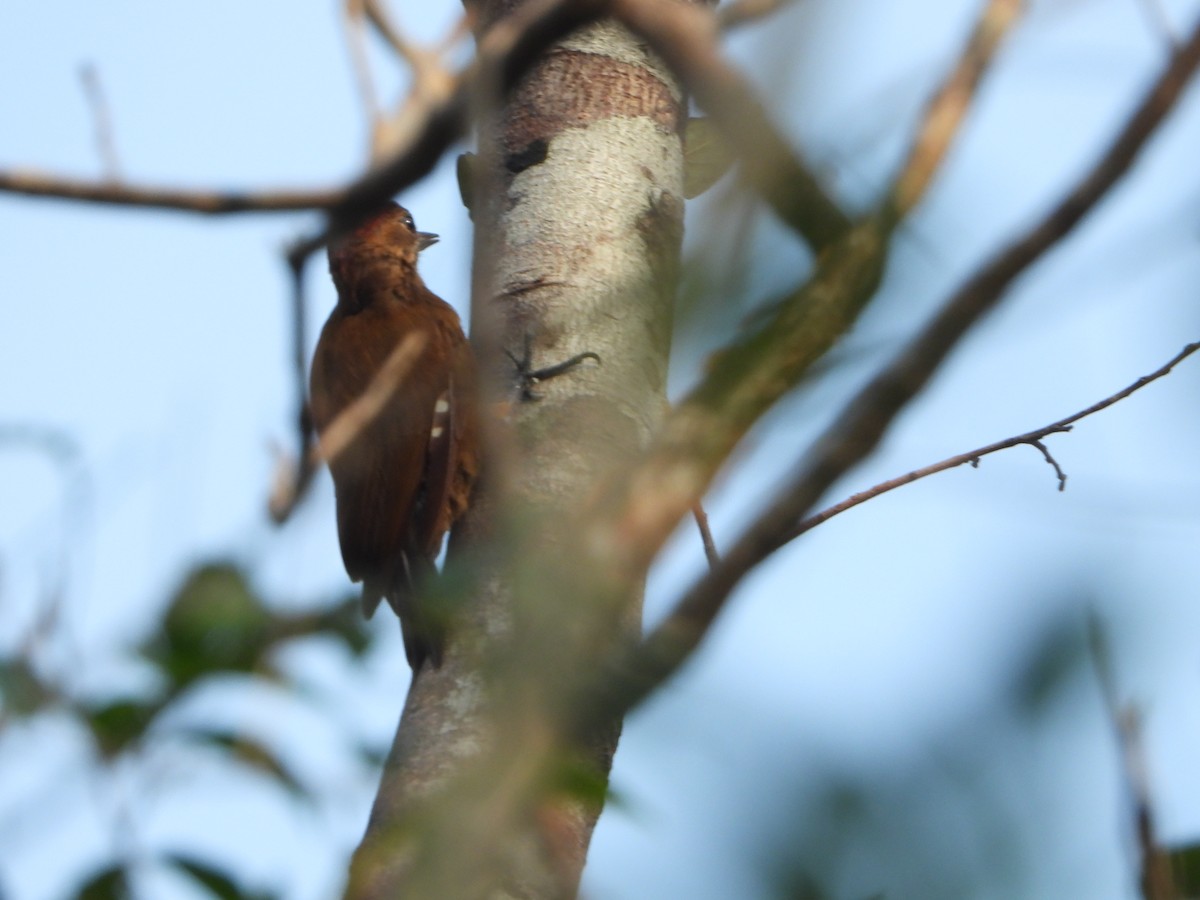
(1032, 438)
(946, 110)
(742, 12)
(432, 83)
(1160, 21)
(1155, 878)
(354, 418)
(710, 546)
(106, 146)
(356, 41)
(290, 482)
(378, 16)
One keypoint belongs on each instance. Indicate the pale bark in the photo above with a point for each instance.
(579, 221)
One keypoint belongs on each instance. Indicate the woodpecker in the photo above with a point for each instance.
(408, 472)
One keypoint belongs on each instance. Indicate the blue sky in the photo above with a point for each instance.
(883, 642)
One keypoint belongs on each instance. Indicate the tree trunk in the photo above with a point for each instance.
(579, 210)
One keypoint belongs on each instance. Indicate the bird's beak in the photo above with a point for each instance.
(425, 239)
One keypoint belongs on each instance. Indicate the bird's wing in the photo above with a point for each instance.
(378, 476)
(452, 457)
(428, 524)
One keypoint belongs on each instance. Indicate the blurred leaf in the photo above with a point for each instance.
(581, 781)
(215, 623)
(1056, 655)
(253, 753)
(118, 724)
(108, 884)
(706, 157)
(374, 756)
(215, 881)
(346, 623)
(803, 887)
(22, 693)
(1185, 865)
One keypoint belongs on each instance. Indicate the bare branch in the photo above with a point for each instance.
(345, 428)
(1155, 877)
(507, 49)
(746, 378)
(1053, 463)
(710, 546)
(856, 432)
(378, 16)
(37, 184)
(292, 480)
(1033, 438)
(742, 12)
(949, 106)
(1160, 21)
(353, 21)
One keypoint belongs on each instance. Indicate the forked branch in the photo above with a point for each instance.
(1032, 438)
(634, 673)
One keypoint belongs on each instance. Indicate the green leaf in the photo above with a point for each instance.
(373, 756)
(111, 883)
(1058, 654)
(120, 723)
(1185, 865)
(214, 880)
(583, 782)
(215, 623)
(253, 753)
(22, 693)
(706, 157)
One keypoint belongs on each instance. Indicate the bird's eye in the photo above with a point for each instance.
(408, 220)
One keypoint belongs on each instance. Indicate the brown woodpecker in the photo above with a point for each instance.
(408, 472)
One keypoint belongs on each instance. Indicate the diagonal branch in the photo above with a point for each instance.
(749, 376)
(38, 184)
(1155, 878)
(949, 106)
(1032, 438)
(857, 431)
(742, 12)
(356, 42)
(436, 123)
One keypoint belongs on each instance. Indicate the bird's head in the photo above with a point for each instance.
(386, 237)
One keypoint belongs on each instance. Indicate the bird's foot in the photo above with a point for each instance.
(527, 377)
